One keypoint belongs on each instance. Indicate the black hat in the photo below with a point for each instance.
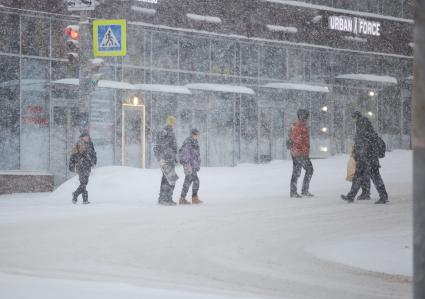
(303, 114)
(195, 132)
(356, 114)
(84, 134)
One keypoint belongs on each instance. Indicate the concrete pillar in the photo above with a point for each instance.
(84, 74)
(419, 152)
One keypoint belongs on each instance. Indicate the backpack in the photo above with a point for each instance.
(289, 141)
(381, 147)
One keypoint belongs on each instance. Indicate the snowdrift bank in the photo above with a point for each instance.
(248, 238)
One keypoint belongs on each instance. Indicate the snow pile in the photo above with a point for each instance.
(115, 184)
(248, 240)
(385, 252)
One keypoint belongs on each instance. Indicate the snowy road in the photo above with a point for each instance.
(249, 239)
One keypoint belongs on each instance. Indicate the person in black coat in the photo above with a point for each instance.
(165, 151)
(83, 158)
(367, 160)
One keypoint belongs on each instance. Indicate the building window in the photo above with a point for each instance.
(249, 60)
(392, 7)
(59, 48)
(273, 62)
(296, 64)
(223, 57)
(164, 50)
(35, 114)
(195, 54)
(221, 129)
(9, 113)
(9, 32)
(133, 75)
(135, 47)
(319, 66)
(409, 9)
(35, 36)
(390, 110)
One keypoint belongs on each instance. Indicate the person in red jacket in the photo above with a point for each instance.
(300, 151)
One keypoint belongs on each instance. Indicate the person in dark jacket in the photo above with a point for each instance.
(165, 151)
(367, 160)
(190, 158)
(83, 156)
(300, 151)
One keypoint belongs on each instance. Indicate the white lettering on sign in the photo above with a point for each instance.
(354, 25)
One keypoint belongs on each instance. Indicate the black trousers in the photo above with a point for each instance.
(84, 180)
(188, 180)
(166, 190)
(365, 171)
(298, 164)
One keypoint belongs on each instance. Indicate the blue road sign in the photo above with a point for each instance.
(109, 38)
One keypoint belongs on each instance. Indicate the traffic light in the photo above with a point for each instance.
(72, 34)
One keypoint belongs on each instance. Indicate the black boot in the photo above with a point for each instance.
(294, 195)
(381, 201)
(74, 197)
(363, 197)
(347, 198)
(86, 198)
(307, 194)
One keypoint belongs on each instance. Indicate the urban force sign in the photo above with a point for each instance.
(354, 25)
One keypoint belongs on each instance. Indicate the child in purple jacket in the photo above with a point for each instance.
(190, 158)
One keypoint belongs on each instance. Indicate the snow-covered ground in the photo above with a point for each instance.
(248, 240)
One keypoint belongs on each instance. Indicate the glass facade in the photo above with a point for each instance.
(40, 120)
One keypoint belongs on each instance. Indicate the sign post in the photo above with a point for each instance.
(109, 38)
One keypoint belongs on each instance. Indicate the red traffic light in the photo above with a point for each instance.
(72, 32)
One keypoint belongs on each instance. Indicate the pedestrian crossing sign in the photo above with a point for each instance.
(109, 38)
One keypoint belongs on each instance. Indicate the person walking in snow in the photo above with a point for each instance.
(190, 158)
(365, 182)
(300, 151)
(83, 158)
(366, 155)
(165, 151)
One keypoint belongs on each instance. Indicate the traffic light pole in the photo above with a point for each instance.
(419, 153)
(84, 74)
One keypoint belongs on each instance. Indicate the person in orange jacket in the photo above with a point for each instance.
(300, 151)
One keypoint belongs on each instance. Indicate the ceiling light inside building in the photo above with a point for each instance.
(200, 18)
(143, 10)
(324, 108)
(370, 113)
(323, 149)
(316, 19)
(355, 39)
(278, 28)
(324, 130)
(372, 93)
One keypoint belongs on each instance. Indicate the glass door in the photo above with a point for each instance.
(133, 135)
(66, 128)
